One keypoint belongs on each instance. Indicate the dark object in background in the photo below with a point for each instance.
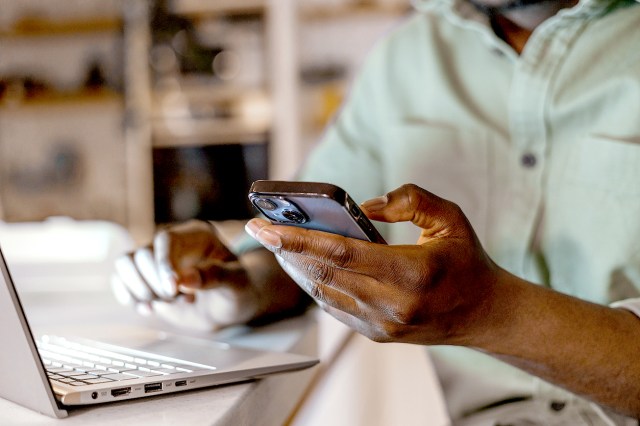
(62, 169)
(208, 182)
(179, 35)
(19, 87)
(95, 79)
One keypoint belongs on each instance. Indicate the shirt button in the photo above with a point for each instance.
(528, 160)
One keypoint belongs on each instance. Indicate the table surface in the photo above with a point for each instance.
(271, 399)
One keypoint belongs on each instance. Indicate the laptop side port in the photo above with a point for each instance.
(121, 391)
(152, 387)
(180, 383)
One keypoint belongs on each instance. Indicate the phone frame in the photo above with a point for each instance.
(323, 206)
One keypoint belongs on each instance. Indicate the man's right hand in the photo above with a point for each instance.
(189, 278)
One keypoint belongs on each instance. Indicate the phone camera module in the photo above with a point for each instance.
(264, 204)
(294, 216)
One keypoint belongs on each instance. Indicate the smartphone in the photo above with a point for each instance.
(312, 205)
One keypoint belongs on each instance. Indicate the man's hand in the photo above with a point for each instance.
(446, 290)
(189, 278)
(436, 291)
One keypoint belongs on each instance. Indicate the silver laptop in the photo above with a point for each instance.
(52, 373)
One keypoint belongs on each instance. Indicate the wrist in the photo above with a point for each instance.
(496, 321)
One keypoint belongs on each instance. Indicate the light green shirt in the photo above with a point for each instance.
(541, 151)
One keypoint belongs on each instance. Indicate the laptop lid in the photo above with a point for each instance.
(24, 378)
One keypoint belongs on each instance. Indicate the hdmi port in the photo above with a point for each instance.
(120, 391)
(181, 383)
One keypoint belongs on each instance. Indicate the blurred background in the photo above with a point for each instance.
(146, 112)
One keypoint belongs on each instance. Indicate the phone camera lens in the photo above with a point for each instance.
(265, 204)
(294, 216)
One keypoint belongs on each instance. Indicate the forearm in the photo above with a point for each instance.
(589, 349)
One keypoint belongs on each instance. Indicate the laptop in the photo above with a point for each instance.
(53, 373)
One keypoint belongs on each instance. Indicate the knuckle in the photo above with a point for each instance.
(406, 315)
(390, 331)
(413, 193)
(295, 245)
(410, 188)
(319, 273)
(377, 336)
(316, 291)
(415, 275)
(342, 255)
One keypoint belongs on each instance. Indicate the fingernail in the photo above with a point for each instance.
(167, 281)
(375, 204)
(252, 228)
(268, 237)
(187, 290)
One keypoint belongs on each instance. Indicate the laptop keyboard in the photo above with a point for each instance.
(77, 364)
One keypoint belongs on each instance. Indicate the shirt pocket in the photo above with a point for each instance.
(606, 165)
(447, 161)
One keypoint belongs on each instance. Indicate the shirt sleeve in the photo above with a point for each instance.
(632, 305)
(348, 155)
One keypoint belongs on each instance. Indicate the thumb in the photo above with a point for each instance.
(409, 203)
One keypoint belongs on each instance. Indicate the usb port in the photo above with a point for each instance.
(120, 391)
(181, 383)
(152, 387)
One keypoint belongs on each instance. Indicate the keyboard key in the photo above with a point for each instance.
(58, 369)
(165, 370)
(98, 380)
(71, 373)
(85, 377)
(118, 376)
(119, 369)
(142, 373)
(98, 372)
(72, 365)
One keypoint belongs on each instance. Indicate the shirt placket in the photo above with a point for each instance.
(529, 99)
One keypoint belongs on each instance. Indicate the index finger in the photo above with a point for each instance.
(334, 250)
